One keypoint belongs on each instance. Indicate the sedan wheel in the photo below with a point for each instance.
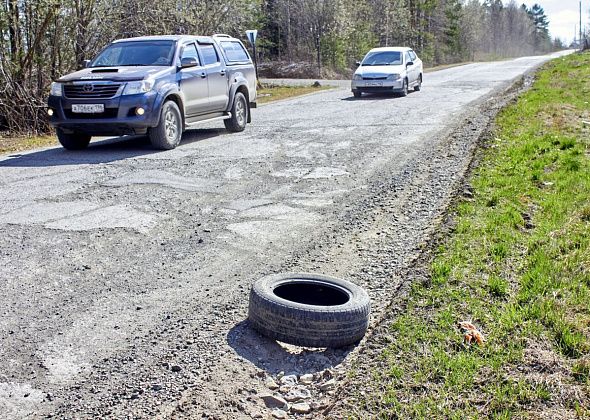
(404, 91)
(419, 84)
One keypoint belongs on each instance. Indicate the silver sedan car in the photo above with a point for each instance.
(388, 69)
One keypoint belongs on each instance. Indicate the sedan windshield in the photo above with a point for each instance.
(136, 53)
(383, 58)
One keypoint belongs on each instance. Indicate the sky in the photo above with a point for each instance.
(563, 15)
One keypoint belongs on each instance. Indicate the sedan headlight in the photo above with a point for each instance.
(56, 89)
(357, 77)
(141, 86)
(393, 76)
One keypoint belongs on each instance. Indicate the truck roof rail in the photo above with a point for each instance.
(223, 36)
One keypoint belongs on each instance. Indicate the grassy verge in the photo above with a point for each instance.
(18, 144)
(517, 265)
(269, 93)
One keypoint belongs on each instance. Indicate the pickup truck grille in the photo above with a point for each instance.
(91, 91)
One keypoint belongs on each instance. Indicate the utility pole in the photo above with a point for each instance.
(580, 27)
(319, 48)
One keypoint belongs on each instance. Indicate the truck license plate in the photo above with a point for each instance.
(88, 108)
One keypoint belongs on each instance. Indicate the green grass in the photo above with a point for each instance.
(517, 265)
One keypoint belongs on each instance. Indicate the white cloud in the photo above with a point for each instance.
(561, 24)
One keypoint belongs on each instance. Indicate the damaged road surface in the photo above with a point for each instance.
(125, 272)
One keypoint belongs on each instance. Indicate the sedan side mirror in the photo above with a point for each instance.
(86, 63)
(409, 63)
(187, 62)
(358, 63)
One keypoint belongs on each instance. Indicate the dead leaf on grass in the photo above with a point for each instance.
(471, 335)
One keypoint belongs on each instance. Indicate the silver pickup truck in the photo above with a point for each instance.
(155, 85)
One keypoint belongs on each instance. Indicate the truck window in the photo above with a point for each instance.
(136, 53)
(209, 54)
(190, 51)
(234, 51)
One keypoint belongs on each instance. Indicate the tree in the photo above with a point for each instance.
(541, 28)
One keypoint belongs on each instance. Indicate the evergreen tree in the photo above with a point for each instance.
(541, 28)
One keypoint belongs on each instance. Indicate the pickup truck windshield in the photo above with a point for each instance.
(136, 53)
(385, 58)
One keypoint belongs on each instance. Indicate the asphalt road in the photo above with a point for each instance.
(125, 271)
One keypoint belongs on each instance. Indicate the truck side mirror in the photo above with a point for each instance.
(409, 63)
(187, 62)
(86, 63)
(357, 63)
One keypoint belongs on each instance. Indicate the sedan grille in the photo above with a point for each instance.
(91, 91)
(374, 77)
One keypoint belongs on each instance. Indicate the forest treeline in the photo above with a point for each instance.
(43, 39)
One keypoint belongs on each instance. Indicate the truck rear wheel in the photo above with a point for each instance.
(239, 114)
(168, 133)
(73, 141)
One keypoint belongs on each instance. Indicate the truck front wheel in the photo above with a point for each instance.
(239, 114)
(73, 141)
(167, 134)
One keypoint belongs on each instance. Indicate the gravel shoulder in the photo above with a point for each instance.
(126, 271)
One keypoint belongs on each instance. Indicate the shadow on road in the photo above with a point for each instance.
(101, 151)
(274, 357)
(373, 97)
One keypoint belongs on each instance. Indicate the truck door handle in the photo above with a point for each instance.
(203, 75)
(222, 72)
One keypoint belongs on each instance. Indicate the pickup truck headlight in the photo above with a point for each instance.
(357, 77)
(141, 86)
(393, 76)
(56, 89)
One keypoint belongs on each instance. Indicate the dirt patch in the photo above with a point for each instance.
(543, 367)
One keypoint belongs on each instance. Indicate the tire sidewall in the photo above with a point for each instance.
(158, 136)
(308, 325)
(240, 98)
(170, 106)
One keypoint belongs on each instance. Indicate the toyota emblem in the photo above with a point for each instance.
(88, 88)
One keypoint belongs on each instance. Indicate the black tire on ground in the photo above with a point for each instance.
(357, 93)
(239, 114)
(73, 141)
(309, 310)
(404, 91)
(419, 85)
(168, 133)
